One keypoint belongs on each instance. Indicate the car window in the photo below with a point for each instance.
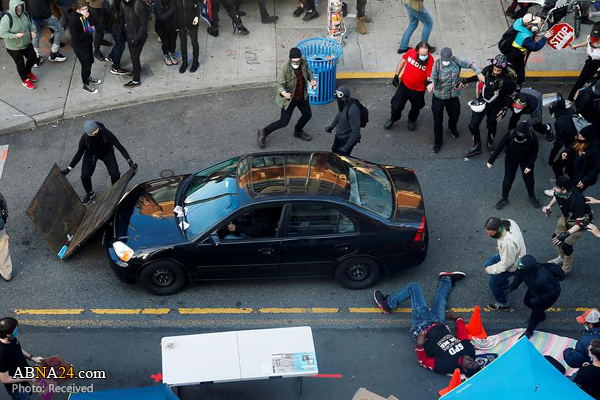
(316, 219)
(212, 182)
(258, 223)
(201, 216)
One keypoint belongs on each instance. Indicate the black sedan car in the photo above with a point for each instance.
(287, 214)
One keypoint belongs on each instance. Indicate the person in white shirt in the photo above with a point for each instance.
(592, 64)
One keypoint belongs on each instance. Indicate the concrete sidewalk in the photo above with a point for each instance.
(471, 27)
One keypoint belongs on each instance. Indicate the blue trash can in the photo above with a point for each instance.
(322, 55)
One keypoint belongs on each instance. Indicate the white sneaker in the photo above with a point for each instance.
(549, 193)
(39, 62)
(558, 260)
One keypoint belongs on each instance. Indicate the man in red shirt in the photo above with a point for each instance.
(415, 67)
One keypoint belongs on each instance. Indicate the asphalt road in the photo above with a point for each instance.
(185, 135)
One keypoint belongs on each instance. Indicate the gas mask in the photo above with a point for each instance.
(520, 137)
(517, 110)
(295, 65)
(535, 28)
(445, 63)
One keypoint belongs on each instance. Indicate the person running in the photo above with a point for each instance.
(529, 102)
(164, 12)
(17, 31)
(416, 12)
(436, 347)
(591, 67)
(41, 15)
(415, 66)
(577, 356)
(346, 123)
(97, 143)
(134, 22)
(82, 39)
(521, 152)
(292, 82)
(543, 288)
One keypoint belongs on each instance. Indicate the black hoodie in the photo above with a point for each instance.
(187, 10)
(80, 39)
(543, 288)
(134, 21)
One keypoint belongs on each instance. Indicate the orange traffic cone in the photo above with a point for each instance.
(454, 382)
(475, 327)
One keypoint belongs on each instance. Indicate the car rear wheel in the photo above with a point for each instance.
(163, 278)
(358, 272)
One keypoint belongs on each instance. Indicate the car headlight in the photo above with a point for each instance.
(123, 251)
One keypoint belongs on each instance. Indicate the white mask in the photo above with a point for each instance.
(445, 63)
(423, 58)
(517, 110)
(295, 66)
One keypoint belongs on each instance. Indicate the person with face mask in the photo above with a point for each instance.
(81, 40)
(134, 22)
(525, 43)
(12, 358)
(564, 127)
(5, 260)
(521, 152)
(529, 102)
(495, 97)
(415, 67)
(346, 123)
(543, 288)
(575, 215)
(446, 84)
(591, 67)
(17, 40)
(502, 265)
(588, 376)
(436, 347)
(577, 356)
(292, 82)
(97, 143)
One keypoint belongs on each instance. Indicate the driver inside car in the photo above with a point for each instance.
(254, 224)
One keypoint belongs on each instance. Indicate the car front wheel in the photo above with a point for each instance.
(163, 278)
(358, 272)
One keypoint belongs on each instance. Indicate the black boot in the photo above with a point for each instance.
(214, 32)
(195, 66)
(184, 65)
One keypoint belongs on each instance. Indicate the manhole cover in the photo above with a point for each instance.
(167, 173)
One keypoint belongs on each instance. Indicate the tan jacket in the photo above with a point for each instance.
(416, 5)
(511, 247)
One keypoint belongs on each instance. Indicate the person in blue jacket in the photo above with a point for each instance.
(575, 357)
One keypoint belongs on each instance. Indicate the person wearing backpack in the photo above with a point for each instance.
(17, 31)
(347, 122)
(134, 22)
(521, 152)
(529, 101)
(445, 84)
(5, 261)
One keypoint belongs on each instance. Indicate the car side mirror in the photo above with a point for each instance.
(215, 238)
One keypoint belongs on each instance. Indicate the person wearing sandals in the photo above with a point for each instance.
(164, 12)
(82, 40)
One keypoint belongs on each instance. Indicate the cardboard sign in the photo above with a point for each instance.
(562, 35)
(60, 367)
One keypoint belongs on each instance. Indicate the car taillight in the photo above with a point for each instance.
(420, 232)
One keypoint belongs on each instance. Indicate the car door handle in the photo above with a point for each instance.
(343, 246)
(266, 252)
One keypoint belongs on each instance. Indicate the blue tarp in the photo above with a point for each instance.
(161, 392)
(521, 373)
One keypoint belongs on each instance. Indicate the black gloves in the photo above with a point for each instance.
(396, 81)
(132, 164)
(329, 129)
(65, 171)
(563, 236)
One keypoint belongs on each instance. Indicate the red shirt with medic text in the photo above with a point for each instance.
(415, 74)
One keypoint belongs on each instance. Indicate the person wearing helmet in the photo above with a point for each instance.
(521, 152)
(492, 103)
(592, 63)
(564, 127)
(543, 288)
(529, 101)
(525, 43)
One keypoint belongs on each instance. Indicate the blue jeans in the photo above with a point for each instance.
(499, 282)
(51, 23)
(415, 17)
(116, 52)
(421, 316)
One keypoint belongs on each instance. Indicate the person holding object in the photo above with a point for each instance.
(576, 214)
(346, 123)
(415, 67)
(529, 101)
(576, 357)
(591, 67)
(502, 265)
(12, 358)
(543, 288)
(292, 82)
(97, 143)
(5, 260)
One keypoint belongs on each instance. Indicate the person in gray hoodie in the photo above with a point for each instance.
(346, 123)
(17, 31)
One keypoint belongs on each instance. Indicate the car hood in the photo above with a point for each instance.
(145, 217)
(408, 200)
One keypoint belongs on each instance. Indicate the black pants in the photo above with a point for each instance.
(19, 56)
(360, 8)
(590, 68)
(85, 56)
(338, 144)
(517, 62)
(490, 113)
(286, 115)
(404, 94)
(183, 43)
(231, 10)
(168, 36)
(134, 53)
(539, 127)
(89, 165)
(97, 16)
(452, 107)
(537, 313)
(510, 171)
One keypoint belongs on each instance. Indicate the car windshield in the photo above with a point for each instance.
(203, 215)
(370, 187)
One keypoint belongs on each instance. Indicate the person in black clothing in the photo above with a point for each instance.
(521, 152)
(564, 127)
(529, 102)
(543, 288)
(236, 20)
(264, 13)
(134, 22)
(346, 123)
(187, 17)
(13, 357)
(497, 93)
(164, 11)
(588, 376)
(81, 40)
(97, 144)
(114, 57)
(591, 67)
(587, 104)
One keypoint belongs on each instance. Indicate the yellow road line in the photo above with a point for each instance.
(116, 311)
(464, 74)
(373, 310)
(156, 310)
(298, 310)
(214, 310)
(51, 311)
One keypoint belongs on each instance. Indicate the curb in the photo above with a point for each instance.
(463, 74)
